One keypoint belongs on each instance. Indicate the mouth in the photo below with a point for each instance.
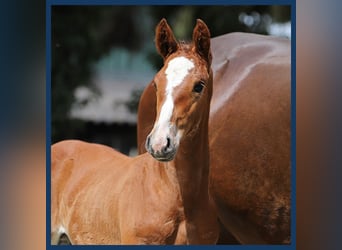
(164, 157)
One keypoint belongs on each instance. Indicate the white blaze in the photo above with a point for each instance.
(176, 71)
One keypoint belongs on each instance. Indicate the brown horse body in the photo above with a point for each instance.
(249, 135)
(100, 196)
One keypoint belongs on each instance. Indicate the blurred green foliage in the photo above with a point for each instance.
(81, 35)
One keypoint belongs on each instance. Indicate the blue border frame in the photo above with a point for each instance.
(173, 2)
(293, 124)
(292, 3)
(48, 123)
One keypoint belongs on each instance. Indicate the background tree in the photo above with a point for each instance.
(81, 35)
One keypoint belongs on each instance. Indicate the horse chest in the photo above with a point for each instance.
(151, 214)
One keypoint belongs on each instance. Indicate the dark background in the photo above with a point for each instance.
(82, 35)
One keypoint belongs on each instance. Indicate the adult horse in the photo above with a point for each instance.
(249, 135)
(100, 196)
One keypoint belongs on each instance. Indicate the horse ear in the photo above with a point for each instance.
(166, 43)
(201, 40)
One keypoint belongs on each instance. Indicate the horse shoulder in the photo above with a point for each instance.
(150, 207)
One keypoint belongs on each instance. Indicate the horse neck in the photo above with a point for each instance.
(192, 161)
(192, 166)
(192, 171)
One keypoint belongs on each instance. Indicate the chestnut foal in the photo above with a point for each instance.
(100, 196)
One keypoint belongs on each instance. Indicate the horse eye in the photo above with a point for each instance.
(198, 87)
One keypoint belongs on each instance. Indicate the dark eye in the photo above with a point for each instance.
(198, 87)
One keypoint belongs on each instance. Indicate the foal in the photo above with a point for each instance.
(100, 196)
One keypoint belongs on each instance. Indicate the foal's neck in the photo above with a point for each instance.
(192, 166)
(192, 173)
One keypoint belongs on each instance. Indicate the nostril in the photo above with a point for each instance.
(148, 141)
(168, 142)
(147, 144)
(166, 149)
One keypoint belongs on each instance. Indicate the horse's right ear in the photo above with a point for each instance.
(201, 40)
(166, 43)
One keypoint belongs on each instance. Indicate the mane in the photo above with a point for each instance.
(184, 45)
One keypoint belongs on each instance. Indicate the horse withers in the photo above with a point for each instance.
(100, 196)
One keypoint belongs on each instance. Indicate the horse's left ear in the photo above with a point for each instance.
(201, 40)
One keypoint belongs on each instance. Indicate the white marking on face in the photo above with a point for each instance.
(176, 71)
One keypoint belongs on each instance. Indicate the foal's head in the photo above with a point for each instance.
(183, 90)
